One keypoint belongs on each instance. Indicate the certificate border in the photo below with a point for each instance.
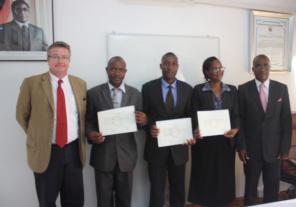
(288, 39)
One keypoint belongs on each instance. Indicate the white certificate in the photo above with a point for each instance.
(215, 122)
(174, 131)
(117, 121)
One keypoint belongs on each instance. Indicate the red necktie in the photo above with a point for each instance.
(61, 131)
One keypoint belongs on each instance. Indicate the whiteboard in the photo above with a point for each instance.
(143, 52)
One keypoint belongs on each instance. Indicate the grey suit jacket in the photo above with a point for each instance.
(119, 148)
(264, 134)
(154, 108)
(11, 37)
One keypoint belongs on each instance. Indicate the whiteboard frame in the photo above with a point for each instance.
(187, 72)
(161, 35)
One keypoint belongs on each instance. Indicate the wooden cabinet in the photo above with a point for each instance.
(292, 153)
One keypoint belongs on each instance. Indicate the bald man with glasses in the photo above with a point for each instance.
(265, 133)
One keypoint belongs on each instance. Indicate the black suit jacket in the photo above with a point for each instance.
(203, 100)
(265, 134)
(122, 147)
(155, 109)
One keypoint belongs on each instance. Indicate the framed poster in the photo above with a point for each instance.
(272, 34)
(26, 29)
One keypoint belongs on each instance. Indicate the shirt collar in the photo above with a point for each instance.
(266, 83)
(56, 79)
(166, 84)
(208, 87)
(121, 87)
(21, 24)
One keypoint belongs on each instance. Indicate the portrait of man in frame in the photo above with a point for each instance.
(25, 29)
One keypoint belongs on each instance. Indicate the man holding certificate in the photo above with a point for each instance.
(114, 156)
(166, 98)
(212, 180)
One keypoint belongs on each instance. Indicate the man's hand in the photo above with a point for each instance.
(283, 157)
(96, 137)
(141, 118)
(154, 131)
(243, 155)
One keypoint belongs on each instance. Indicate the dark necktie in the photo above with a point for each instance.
(169, 101)
(61, 130)
(25, 38)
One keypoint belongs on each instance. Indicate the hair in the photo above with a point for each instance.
(115, 59)
(206, 66)
(260, 56)
(18, 2)
(168, 54)
(59, 44)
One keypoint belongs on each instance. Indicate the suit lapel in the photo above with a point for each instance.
(180, 98)
(271, 96)
(226, 99)
(46, 86)
(125, 96)
(159, 95)
(31, 33)
(76, 93)
(209, 99)
(107, 96)
(16, 32)
(254, 93)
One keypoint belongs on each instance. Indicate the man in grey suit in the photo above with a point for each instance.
(19, 34)
(113, 157)
(265, 134)
(166, 98)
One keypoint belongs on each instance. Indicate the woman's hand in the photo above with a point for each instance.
(231, 133)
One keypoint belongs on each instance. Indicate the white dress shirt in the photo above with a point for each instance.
(266, 86)
(119, 91)
(71, 109)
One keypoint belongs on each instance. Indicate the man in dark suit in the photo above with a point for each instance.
(113, 157)
(265, 134)
(166, 98)
(51, 110)
(20, 34)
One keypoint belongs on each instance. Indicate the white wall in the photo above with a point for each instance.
(84, 25)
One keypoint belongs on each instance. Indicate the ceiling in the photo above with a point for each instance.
(285, 6)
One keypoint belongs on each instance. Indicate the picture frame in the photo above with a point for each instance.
(272, 34)
(40, 32)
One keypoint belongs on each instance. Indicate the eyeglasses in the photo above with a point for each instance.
(217, 70)
(57, 58)
(113, 70)
(19, 10)
(260, 67)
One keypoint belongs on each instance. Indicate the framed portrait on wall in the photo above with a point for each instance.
(26, 29)
(272, 34)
